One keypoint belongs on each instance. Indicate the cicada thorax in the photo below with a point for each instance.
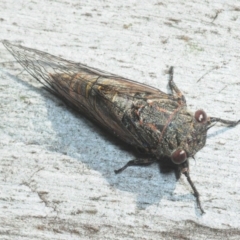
(149, 120)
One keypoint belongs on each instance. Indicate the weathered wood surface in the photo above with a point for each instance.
(56, 168)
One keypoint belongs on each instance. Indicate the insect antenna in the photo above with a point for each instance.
(211, 126)
(228, 122)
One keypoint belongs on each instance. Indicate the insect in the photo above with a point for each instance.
(157, 123)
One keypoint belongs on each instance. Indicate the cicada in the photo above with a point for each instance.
(158, 124)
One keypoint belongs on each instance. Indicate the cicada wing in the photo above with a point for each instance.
(102, 96)
(42, 66)
(39, 64)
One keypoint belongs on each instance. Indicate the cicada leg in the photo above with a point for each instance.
(185, 171)
(136, 162)
(174, 88)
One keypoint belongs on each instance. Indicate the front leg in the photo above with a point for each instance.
(175, 89)
(185, 170)
(136, 162)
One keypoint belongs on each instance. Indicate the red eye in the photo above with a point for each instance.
(200, 116)
(179, 156)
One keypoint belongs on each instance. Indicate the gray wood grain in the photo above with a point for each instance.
(56, 167)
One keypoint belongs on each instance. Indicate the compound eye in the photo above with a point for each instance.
(179, 156)
(200, 116)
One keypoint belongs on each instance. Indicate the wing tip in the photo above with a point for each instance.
(6, 42)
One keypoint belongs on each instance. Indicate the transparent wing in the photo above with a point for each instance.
(102, 96)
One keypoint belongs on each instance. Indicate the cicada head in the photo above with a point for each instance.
(186, 135)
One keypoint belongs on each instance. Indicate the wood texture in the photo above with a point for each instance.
(56, 168)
